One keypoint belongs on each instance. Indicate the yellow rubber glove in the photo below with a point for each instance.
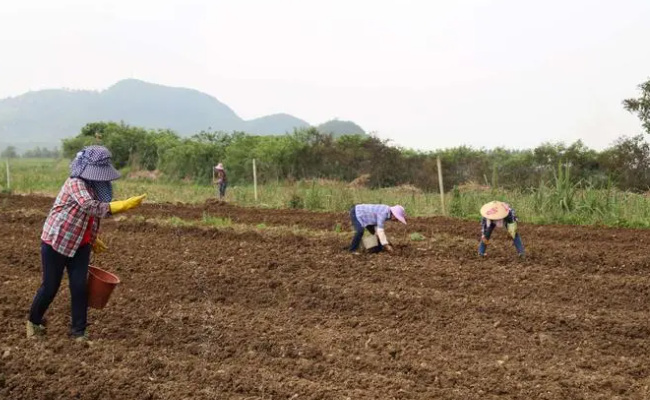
(125, 205)
(99, 246)
(512, 229)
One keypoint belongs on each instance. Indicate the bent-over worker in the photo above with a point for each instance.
(499, 214)
(372, 218)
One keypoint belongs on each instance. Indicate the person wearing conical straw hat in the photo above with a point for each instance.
(70, 234)
(499, 214)
(372, 217)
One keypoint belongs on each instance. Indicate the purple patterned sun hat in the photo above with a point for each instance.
(93, 163)
(399, 213)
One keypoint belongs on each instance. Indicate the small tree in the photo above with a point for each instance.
(641, 106)
(9, 152)
(628, 162)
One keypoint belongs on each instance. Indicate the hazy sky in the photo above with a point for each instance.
(425, 73)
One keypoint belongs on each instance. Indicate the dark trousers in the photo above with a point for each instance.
(53, 265)
(359, 230)
(221, 189)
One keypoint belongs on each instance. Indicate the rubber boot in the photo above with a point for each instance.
(519, 245)
(35, 331)
(81, 338)
(482, 247)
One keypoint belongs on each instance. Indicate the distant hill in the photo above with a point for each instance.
(338, 128)
(44, 117)
(273, 124)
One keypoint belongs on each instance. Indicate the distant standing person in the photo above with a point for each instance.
(499, 214)
(222, 181)
(372, 218)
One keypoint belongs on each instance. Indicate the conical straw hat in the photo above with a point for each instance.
(495, 210)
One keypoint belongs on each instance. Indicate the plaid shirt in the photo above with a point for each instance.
(221, 176)
(68, 219)
(372, 214)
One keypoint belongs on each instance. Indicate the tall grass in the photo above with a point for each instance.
(33, 175)
(562, 201)
(557, 201)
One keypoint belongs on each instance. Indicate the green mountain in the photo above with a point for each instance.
(44, 117)
(338, 128)
(273, 124)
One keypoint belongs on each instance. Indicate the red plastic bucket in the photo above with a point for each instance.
(100, 286)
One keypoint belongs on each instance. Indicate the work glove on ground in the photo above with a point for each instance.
(125, 205)
(99, 246)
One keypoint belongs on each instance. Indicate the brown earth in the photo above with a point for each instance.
(219, 314)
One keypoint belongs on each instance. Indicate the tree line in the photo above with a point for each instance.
(309, 154)
(38, 152)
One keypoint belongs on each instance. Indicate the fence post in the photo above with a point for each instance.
(442, 189)
(254, 180)
(8, 175)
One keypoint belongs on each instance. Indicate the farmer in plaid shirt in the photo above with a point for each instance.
(70, 232)
(372, 217)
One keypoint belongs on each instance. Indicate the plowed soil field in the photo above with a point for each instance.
(236, 313)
